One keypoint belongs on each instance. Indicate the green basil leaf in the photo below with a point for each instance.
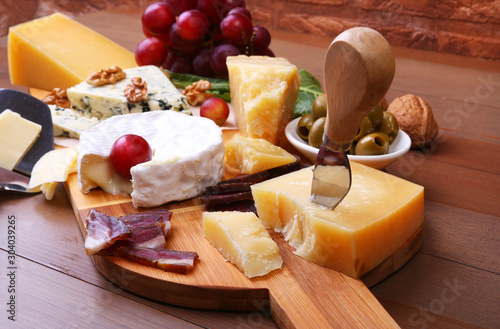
(310, 88)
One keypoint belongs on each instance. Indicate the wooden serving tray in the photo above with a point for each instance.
(299, 295)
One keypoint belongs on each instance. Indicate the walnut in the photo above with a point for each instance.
(415, 118)
(137, 91)
(110, 75)
(58, 97)
(196, 93)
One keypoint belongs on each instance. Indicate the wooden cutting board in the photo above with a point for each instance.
(299, 295)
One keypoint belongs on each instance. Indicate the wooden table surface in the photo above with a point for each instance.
(452, 282)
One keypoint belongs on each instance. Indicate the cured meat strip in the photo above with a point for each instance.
(164, 213)
(103, 231)
(165, 259)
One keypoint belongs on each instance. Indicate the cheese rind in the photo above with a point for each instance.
(378, 215)
(17, 135)
(242, 239)
(264, 91)
(70, 123)
(108, 100)
(188, 155)
(58, 52)
(251, 155)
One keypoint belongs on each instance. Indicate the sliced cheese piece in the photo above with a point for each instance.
(378, 215)
(242, 239)
(251, 155)
(53, 167)
(70, 123)
(58, 52)
(108, 100)
(188, 155)
(263, 94)
(17, 135)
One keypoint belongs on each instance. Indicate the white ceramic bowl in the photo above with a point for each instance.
(399, 146)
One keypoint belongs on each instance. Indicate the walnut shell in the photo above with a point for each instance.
(415, 118)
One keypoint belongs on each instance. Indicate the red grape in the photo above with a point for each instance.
(182, 65)
(235, 3)
(192, 25)
(177, 7)
(201, 64)
(262, 38)
(219, 55)
(188, 47)
(242, 11)
(157, 18)
(215, 109)
(215, 10)
(237, 29)
(127, 152)
(171, 58)
(150, 51)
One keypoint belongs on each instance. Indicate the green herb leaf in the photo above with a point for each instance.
(310, 88)
(219, 87)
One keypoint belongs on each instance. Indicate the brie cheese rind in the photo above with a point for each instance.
(108, 100)
(188, 155)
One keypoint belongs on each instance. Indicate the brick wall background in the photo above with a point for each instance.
(463, 27)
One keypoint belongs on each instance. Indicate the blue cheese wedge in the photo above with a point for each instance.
(70, 123)
(188, 156)
(109, 100)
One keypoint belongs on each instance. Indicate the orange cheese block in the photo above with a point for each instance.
(58, 52)
(378, 215)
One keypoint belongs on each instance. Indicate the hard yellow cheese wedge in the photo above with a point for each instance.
(242, 239)
(56, 51)
(251, 155)
(17, 135)
(263, 94)
(378, 215)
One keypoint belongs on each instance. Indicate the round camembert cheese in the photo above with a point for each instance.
(188, 155)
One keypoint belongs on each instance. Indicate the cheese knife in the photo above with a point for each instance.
(359, 68)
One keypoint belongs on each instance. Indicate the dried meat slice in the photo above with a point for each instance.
(103, 231)
(164, 213)
(165, 259)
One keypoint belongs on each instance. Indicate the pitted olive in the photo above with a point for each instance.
(389, 126)
(376, 143)
(304, 125)
(319, 106)
(316, 132)
(376, 115)
(364, 129)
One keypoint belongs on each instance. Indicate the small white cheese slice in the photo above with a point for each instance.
(53, 167)
(109, 100)
(188, 155)
(17, 135)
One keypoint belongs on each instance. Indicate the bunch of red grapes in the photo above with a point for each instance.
(196, 36)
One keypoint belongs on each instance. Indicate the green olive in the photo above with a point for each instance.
(376, 143)
(316, 132)
(389, 126)
(319, 106)
(305, 123)
(364, 129)
(376, 115)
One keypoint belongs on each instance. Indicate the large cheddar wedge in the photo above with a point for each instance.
(377, 216)
(263, 94)
(57, 52)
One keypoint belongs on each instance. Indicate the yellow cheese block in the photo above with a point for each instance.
(242, 239)
(57, 52)
(251, 155)
(263, 94)
(17, 135)
(378, 215)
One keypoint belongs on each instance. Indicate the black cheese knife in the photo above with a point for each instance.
(359, 68)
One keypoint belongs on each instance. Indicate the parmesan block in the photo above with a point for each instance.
(242, 239)
(251, 155)
(264, 91)
(378, 215)
(17, 135)
(58, 52)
